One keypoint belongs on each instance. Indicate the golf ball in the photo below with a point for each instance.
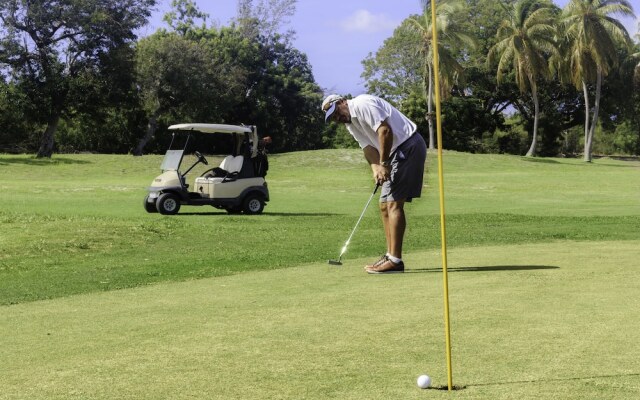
(424, 381)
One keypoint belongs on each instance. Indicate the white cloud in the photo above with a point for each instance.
(364, 21)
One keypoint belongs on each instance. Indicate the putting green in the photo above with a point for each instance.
(541, 321)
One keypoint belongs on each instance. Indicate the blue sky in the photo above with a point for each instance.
(336, 35)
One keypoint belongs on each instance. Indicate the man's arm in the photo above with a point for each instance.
(372, 155)
(375, 159)
(385, 140)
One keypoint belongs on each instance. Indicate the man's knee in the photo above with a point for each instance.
(384, 209)
(395, 206)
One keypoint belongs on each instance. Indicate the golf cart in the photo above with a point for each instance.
(237, 185)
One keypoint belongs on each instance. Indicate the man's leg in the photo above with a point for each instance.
(384, 215)
(407, 166)
(395, 227)
(394, 222)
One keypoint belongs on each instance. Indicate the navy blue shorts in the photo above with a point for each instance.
(407, 170)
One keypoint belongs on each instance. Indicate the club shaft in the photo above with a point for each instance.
(344, 249)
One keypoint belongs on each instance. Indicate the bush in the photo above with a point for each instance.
(572, 141)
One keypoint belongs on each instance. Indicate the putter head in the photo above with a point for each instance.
(334, 262)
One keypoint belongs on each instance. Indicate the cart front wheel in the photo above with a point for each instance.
(168, 204)
(149, 207)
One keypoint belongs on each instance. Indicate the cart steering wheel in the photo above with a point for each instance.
(201, 158)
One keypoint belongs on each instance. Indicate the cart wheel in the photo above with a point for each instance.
(168, 204)
(149, 207)
(253, 204)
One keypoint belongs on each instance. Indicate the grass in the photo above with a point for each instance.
(75, 224)
(101, 300)
(532, 321)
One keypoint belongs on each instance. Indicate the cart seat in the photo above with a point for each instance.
(228, 170)
(232, 164)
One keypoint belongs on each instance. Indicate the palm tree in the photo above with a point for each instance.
(450, 37)
(592, 35)
(525, 42)
(636, 75)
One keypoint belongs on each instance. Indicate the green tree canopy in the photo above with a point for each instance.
(227, 76)
(48, 44)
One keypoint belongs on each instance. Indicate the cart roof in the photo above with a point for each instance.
(212, 128)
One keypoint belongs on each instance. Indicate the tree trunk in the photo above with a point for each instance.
(587, 117)
(432, 140)
(47, 139)
(588, 143)
(152, 125)
(534, 140)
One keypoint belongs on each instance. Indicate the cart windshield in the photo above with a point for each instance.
(172, 160)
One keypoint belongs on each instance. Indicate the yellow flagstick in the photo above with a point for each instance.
(443, 228)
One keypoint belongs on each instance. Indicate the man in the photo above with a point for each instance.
(396, 154)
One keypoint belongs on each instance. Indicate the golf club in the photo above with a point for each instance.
(344, 248)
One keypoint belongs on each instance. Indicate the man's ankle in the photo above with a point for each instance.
(393, 259)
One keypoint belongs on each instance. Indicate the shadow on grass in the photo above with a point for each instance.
(619, 158)
(281, 214)
(601, 161)
(446, 387)
(540, 160)
(40, 162)
(267, 214)
(188, 214)
(484, 268)
(577, 378)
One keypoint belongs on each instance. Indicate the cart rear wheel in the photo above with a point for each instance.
(168, 204)
(253, 204)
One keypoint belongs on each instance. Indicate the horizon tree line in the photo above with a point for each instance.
(76, 72)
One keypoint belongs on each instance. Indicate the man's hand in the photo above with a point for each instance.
(380, 174)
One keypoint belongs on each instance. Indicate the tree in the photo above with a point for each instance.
(591, 36)
(15, 121)
(104, 112)
(265, 18)
(281, 95)
(227, 75)
(181, 78)
(451, 38)
(636, 92)
(394, 71)
(183, 15)
(50, 43)
(284, 98)
(620, 104)
(177, 71)
(525, 41)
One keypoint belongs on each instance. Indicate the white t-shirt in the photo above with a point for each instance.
(367, 114)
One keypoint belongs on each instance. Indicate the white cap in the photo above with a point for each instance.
(330, 99)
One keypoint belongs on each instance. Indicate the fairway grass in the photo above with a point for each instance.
(558, 320)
